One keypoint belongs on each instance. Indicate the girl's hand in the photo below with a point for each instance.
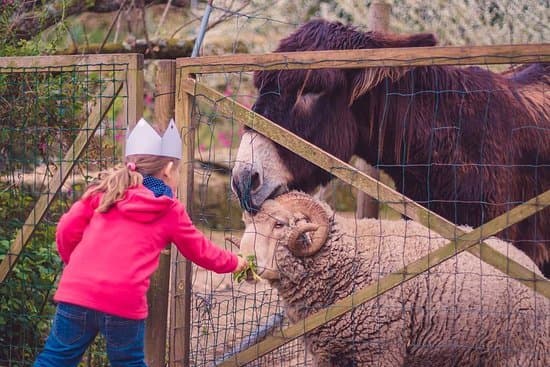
(241, 265)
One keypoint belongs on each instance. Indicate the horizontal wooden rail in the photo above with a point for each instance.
(121, 62)
(102, 106)
(467, 241)
(363, 182)
(412, 56)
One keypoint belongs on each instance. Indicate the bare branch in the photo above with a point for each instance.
(37, 16)
(156, 49)
(115, 20)
(162, 18)
(145, 28)
(228, 15)
(195, 19)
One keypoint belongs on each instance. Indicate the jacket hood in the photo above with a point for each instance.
(141, 205)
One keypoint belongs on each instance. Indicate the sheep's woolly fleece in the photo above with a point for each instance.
(460, 313)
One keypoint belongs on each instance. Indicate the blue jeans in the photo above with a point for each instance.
(75, 328)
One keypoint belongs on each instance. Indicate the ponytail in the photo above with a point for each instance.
(113, 184)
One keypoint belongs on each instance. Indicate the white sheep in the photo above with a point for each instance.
(462, 312)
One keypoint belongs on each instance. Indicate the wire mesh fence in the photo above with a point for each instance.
(288, 94)
(260, 25)
(44, 109)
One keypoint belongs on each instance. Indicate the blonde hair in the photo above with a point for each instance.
(114, 183)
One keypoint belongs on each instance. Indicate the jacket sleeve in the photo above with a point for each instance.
(72, 224)
(197, 248)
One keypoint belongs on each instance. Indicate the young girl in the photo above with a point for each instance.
(110, 241)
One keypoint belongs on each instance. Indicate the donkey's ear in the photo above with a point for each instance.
(387, 40)
(368, 78)
(423, 40)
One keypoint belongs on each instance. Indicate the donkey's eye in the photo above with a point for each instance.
(279, 224)
(305, 102)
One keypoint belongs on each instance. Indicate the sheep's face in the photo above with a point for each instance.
(264, 232)
(292, 224)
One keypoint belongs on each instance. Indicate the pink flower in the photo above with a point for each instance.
(224, 140)
(246, 101)
(148, 99)
(228, 91)
(120, 122)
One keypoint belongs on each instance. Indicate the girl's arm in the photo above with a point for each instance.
(72, 224)
(197, 248)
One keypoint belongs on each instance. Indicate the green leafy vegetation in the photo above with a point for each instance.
(25, 296)
(251, 270)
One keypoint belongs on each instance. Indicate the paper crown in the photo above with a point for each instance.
(143, 139)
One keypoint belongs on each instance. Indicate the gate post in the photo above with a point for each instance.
(157, 297)
(180, 301)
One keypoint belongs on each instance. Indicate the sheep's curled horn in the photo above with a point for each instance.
(299, 202)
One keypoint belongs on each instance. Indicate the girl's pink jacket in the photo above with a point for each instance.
(110, 256)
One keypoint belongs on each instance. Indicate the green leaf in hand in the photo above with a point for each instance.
(252, 268)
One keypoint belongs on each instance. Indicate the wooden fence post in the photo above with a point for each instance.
(367, 207)
(180, 302)
(378, 19)
(157, 322)
(134, 89)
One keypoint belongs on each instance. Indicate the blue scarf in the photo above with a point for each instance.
(157, 186)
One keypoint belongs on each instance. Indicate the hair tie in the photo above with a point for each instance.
(131, 166)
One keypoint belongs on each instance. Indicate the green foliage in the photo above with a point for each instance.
(252, 270)
(40, 115)
(25, 296)
(8, 42)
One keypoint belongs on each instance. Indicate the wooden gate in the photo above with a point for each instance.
(187, 88)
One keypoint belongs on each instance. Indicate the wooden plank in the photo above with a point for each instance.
(411, 56)
(102, 106)
(134, 92)
(349, 174)
(469, 240)
(180, 329)
(157, 296)
(83, 63)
